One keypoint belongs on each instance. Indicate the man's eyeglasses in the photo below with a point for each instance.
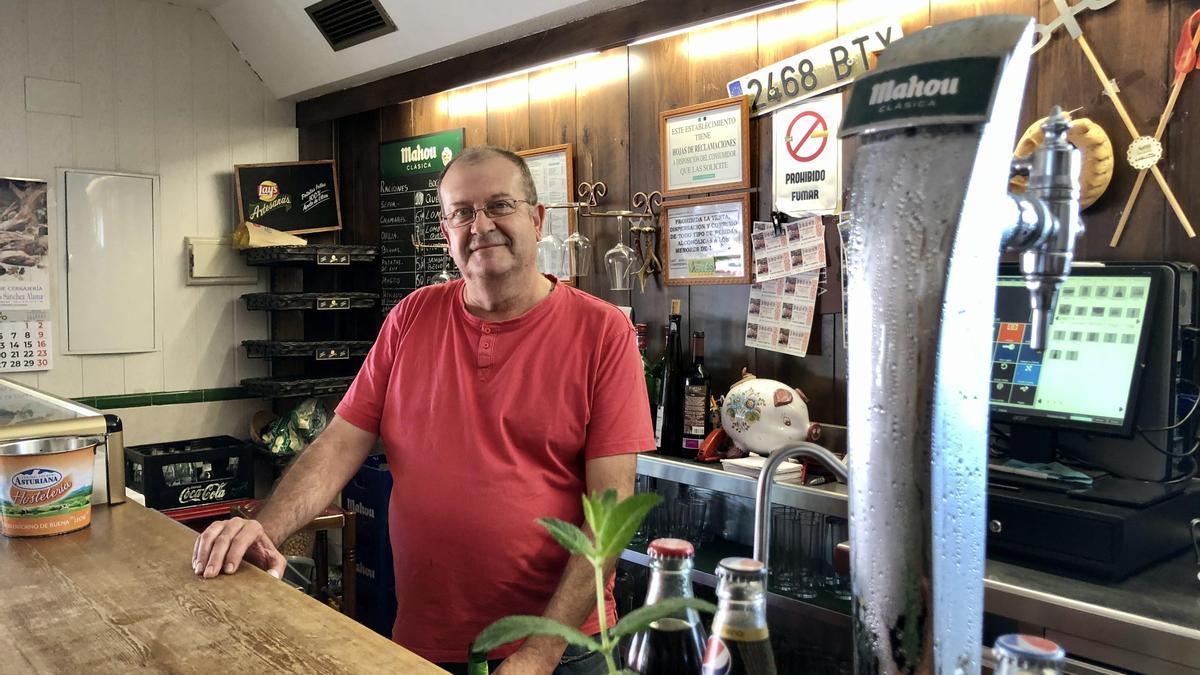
(465, 215)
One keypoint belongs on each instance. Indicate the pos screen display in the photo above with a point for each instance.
(1086, 377)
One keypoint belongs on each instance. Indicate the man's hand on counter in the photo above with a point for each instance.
(225, 544)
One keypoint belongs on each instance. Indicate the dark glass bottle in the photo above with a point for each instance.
(740, 643)
(697, 387)
(673, 645)
(656, 371)
(646, 371)
(668, 424)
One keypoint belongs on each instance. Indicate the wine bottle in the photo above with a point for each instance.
(697, 387)
(669, 421)
(656, 371)
(641, 329)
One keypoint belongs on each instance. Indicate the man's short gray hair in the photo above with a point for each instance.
(477, 155)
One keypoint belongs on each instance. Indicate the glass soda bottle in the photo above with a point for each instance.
(673, 645)
(1018, 654)
(740, 643)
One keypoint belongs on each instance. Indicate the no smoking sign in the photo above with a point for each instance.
(807, 136)
(807, 157)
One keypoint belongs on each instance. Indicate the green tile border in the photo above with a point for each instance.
(165, 398)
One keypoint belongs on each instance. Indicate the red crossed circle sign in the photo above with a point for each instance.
(802, 146)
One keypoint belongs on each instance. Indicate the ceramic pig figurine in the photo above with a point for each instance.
(760, 415)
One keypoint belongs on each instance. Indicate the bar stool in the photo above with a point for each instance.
(331, 518)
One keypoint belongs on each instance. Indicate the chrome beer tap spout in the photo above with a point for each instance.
(930, 215)
(1047, 244)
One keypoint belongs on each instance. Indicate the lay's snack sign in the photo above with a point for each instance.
(46, 486)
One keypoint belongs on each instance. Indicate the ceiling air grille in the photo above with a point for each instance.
(345, 23)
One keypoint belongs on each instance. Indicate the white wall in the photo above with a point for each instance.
(164, 92)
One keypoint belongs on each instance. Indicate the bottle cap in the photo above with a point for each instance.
(745, 569)
(1028, 648)
(671, 548)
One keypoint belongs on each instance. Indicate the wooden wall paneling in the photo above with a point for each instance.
(658, 73)
(834, 341)
(782, 34)
(358, 182)
(429, 114)
(715, 56)
(1132, 42)
(602, 153)
(316, 141)
(508, 113)
(852, 14)
(396, 122)
(552, 106)
(467, 108)
(1182, 139)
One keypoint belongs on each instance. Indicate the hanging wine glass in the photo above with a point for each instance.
(621, 261)
(550, 254)
(577, 258)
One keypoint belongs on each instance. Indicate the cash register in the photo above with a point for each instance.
(1093, 440)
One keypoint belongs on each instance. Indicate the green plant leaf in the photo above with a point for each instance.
(569, 536)
(602, 506)
(590, 516)
(622, 523)
(513, 628)
(641, 618)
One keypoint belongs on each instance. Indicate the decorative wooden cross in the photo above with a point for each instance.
(1185, 62)
(1144, 151)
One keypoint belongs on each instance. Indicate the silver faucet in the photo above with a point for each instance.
(766, 478)
(929, 215)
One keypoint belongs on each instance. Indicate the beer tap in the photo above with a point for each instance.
(1047, 222)
(936, 119)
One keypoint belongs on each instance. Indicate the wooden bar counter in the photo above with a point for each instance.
(120, 597)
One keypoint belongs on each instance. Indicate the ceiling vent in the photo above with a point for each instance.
(345, 23)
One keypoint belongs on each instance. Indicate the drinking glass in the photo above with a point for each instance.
(577, 257)
(784, 548)
(620, 261)
(550, 254)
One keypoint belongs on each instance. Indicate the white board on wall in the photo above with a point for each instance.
(108, 281)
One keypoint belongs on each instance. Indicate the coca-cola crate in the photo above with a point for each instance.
(192, 472)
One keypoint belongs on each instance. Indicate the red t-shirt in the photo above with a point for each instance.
(487, 426)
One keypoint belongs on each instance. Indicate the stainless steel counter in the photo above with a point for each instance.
(1149, 622)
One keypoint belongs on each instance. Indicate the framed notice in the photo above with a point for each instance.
(705, 147)
(705, 241)
(293, 197)
(553, 173)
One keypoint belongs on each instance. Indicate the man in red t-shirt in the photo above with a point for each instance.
(500, 399)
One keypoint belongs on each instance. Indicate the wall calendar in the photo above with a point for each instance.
(24, 341)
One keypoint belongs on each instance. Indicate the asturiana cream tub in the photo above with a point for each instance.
(46, 486)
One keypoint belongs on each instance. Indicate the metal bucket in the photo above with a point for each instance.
(46, 485)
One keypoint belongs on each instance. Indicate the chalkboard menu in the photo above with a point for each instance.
(294, 197)
(408, 204)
